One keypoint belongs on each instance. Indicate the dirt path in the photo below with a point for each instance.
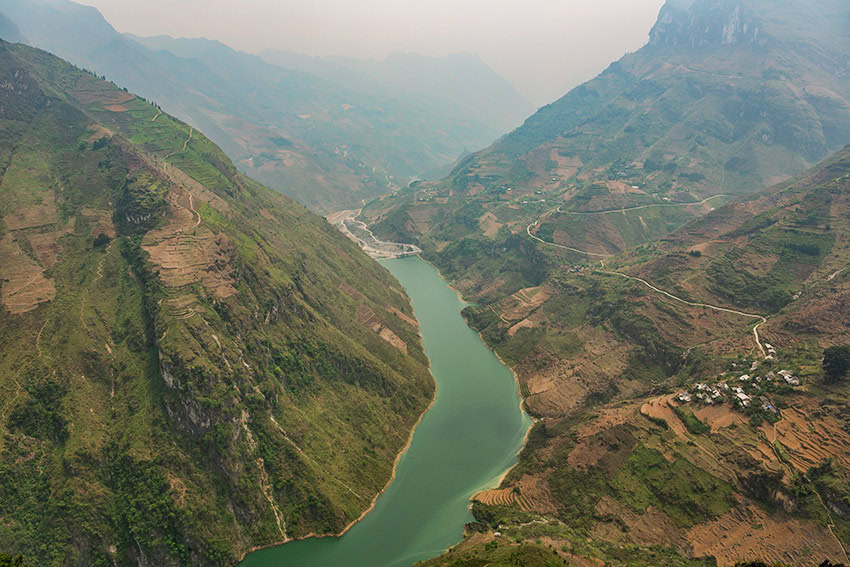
(606, 212)
(611, 211)
(185, 144)
(38, 339)
(158, 113)
(831, 525)
(12, 400)
(762, 320)
(835, 275)
(197, 214)
(312, 460)
(596, 254)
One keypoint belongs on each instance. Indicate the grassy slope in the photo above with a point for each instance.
(602, 352)
(199, 385)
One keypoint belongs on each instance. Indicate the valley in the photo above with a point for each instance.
(618, 335)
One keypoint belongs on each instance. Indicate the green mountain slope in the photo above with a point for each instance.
(644, 453)
(325, 145)
(726, 98)
(191, 364)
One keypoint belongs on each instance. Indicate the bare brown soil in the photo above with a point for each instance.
(35, 215)
(720, 416)
(366, 317)
(410, 321)
(187, 253)
(24, 285)
(45, 247)
(350, 291)
(489, 224)
(747, 531)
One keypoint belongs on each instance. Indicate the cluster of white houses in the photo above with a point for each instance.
(743, 391)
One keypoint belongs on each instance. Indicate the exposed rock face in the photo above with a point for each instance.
(707, 22)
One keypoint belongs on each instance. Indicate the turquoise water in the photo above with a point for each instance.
(466, 441)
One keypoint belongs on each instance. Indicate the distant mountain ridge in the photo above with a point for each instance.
(461, 79)
(323, 144)
(727, 97)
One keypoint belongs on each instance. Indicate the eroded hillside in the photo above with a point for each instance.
(683, 410)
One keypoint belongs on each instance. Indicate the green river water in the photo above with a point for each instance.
(466, 441)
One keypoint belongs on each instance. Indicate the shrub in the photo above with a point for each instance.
(836, 363)
(101, 240)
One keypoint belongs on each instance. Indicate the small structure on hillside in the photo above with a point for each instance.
(789, 377)
(684, 397)
(767, 405)
(743, 399)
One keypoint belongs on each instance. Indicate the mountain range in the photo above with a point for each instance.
(193, 365)
(328, 146)
(662, 265)
(726, 98)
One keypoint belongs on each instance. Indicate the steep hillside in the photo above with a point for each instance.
(191, 364)
(727, 97)
(683, 410)
(326, 146)
(461, 80)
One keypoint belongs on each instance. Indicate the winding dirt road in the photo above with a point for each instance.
(637, 208)
(185, 144)
(762, 319)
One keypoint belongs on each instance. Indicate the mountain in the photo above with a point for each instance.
(9, 31)
(462, 80)
(684, 413)
(320, 143)
(727, 97)
(191, 364)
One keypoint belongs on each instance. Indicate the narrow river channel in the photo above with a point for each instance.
(466, 441)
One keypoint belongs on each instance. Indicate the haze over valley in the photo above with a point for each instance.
(452, 284)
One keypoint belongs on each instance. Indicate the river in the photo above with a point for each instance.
(466, 441)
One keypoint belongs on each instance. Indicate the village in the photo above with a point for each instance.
(751, 393)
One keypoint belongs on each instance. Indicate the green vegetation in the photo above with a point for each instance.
(692, 422)
(836, 363)
(187, 373)
(8, 561)
(684, 491)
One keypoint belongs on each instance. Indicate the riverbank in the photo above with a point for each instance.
(378, 495)
(469, 438)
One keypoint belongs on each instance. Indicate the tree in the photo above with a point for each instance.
(101, 240)
(8, 561)
(836, 363)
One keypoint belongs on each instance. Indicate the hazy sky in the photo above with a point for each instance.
(543, 46)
